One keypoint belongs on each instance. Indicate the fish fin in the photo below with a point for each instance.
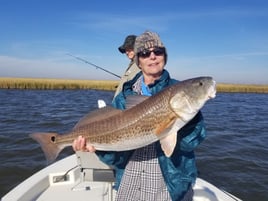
(169, 126)
(133, 100)
(97, 115)
(168, 144)
(48, 145)
(164, 125)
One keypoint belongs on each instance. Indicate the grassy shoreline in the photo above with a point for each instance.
(110, 85)
(50, 84)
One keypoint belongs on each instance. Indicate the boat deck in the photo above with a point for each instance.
(82, 177)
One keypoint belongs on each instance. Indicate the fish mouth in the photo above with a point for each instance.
(212, 90)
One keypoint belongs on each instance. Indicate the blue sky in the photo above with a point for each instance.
(225, 39)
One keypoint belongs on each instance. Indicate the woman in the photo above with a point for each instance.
(146, 173)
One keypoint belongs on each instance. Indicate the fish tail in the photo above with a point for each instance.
(48, 144)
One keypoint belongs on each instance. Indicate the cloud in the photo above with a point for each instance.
(238, 56)
(160, 20)
(66, 68)
(117, 23)
(248, 67)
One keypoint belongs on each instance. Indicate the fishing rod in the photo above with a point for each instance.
(97, 67)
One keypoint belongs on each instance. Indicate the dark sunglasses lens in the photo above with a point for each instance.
(157, 51)
(144, 53)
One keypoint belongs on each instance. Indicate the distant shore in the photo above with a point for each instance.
(110, 85)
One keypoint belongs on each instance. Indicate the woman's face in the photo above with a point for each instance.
(152, 61)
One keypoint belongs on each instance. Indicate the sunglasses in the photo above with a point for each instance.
(158, 51)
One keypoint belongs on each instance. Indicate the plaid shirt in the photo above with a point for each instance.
(143, 178)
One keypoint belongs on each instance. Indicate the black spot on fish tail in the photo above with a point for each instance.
(48, 144)
(53, 138)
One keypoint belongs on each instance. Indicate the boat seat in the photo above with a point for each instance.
(93, 169)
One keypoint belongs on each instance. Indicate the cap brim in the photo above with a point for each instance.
(122, 49)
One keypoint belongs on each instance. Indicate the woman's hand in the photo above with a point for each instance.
(80, 144)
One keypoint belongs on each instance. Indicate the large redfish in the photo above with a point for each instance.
(158, 117)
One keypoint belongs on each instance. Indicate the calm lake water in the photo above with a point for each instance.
(233, 157)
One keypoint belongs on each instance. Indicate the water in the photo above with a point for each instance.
(233, 156)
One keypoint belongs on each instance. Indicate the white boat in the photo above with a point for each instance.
(83, 177)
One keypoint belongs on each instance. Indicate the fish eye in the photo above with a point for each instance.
(53, 138)
(200, 83)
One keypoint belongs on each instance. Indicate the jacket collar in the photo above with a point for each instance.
(133, 84)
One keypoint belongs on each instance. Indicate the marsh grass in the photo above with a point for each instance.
(47, 84)
(110, 85)
(242, 88)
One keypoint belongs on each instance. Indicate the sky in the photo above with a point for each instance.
(225, 39)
